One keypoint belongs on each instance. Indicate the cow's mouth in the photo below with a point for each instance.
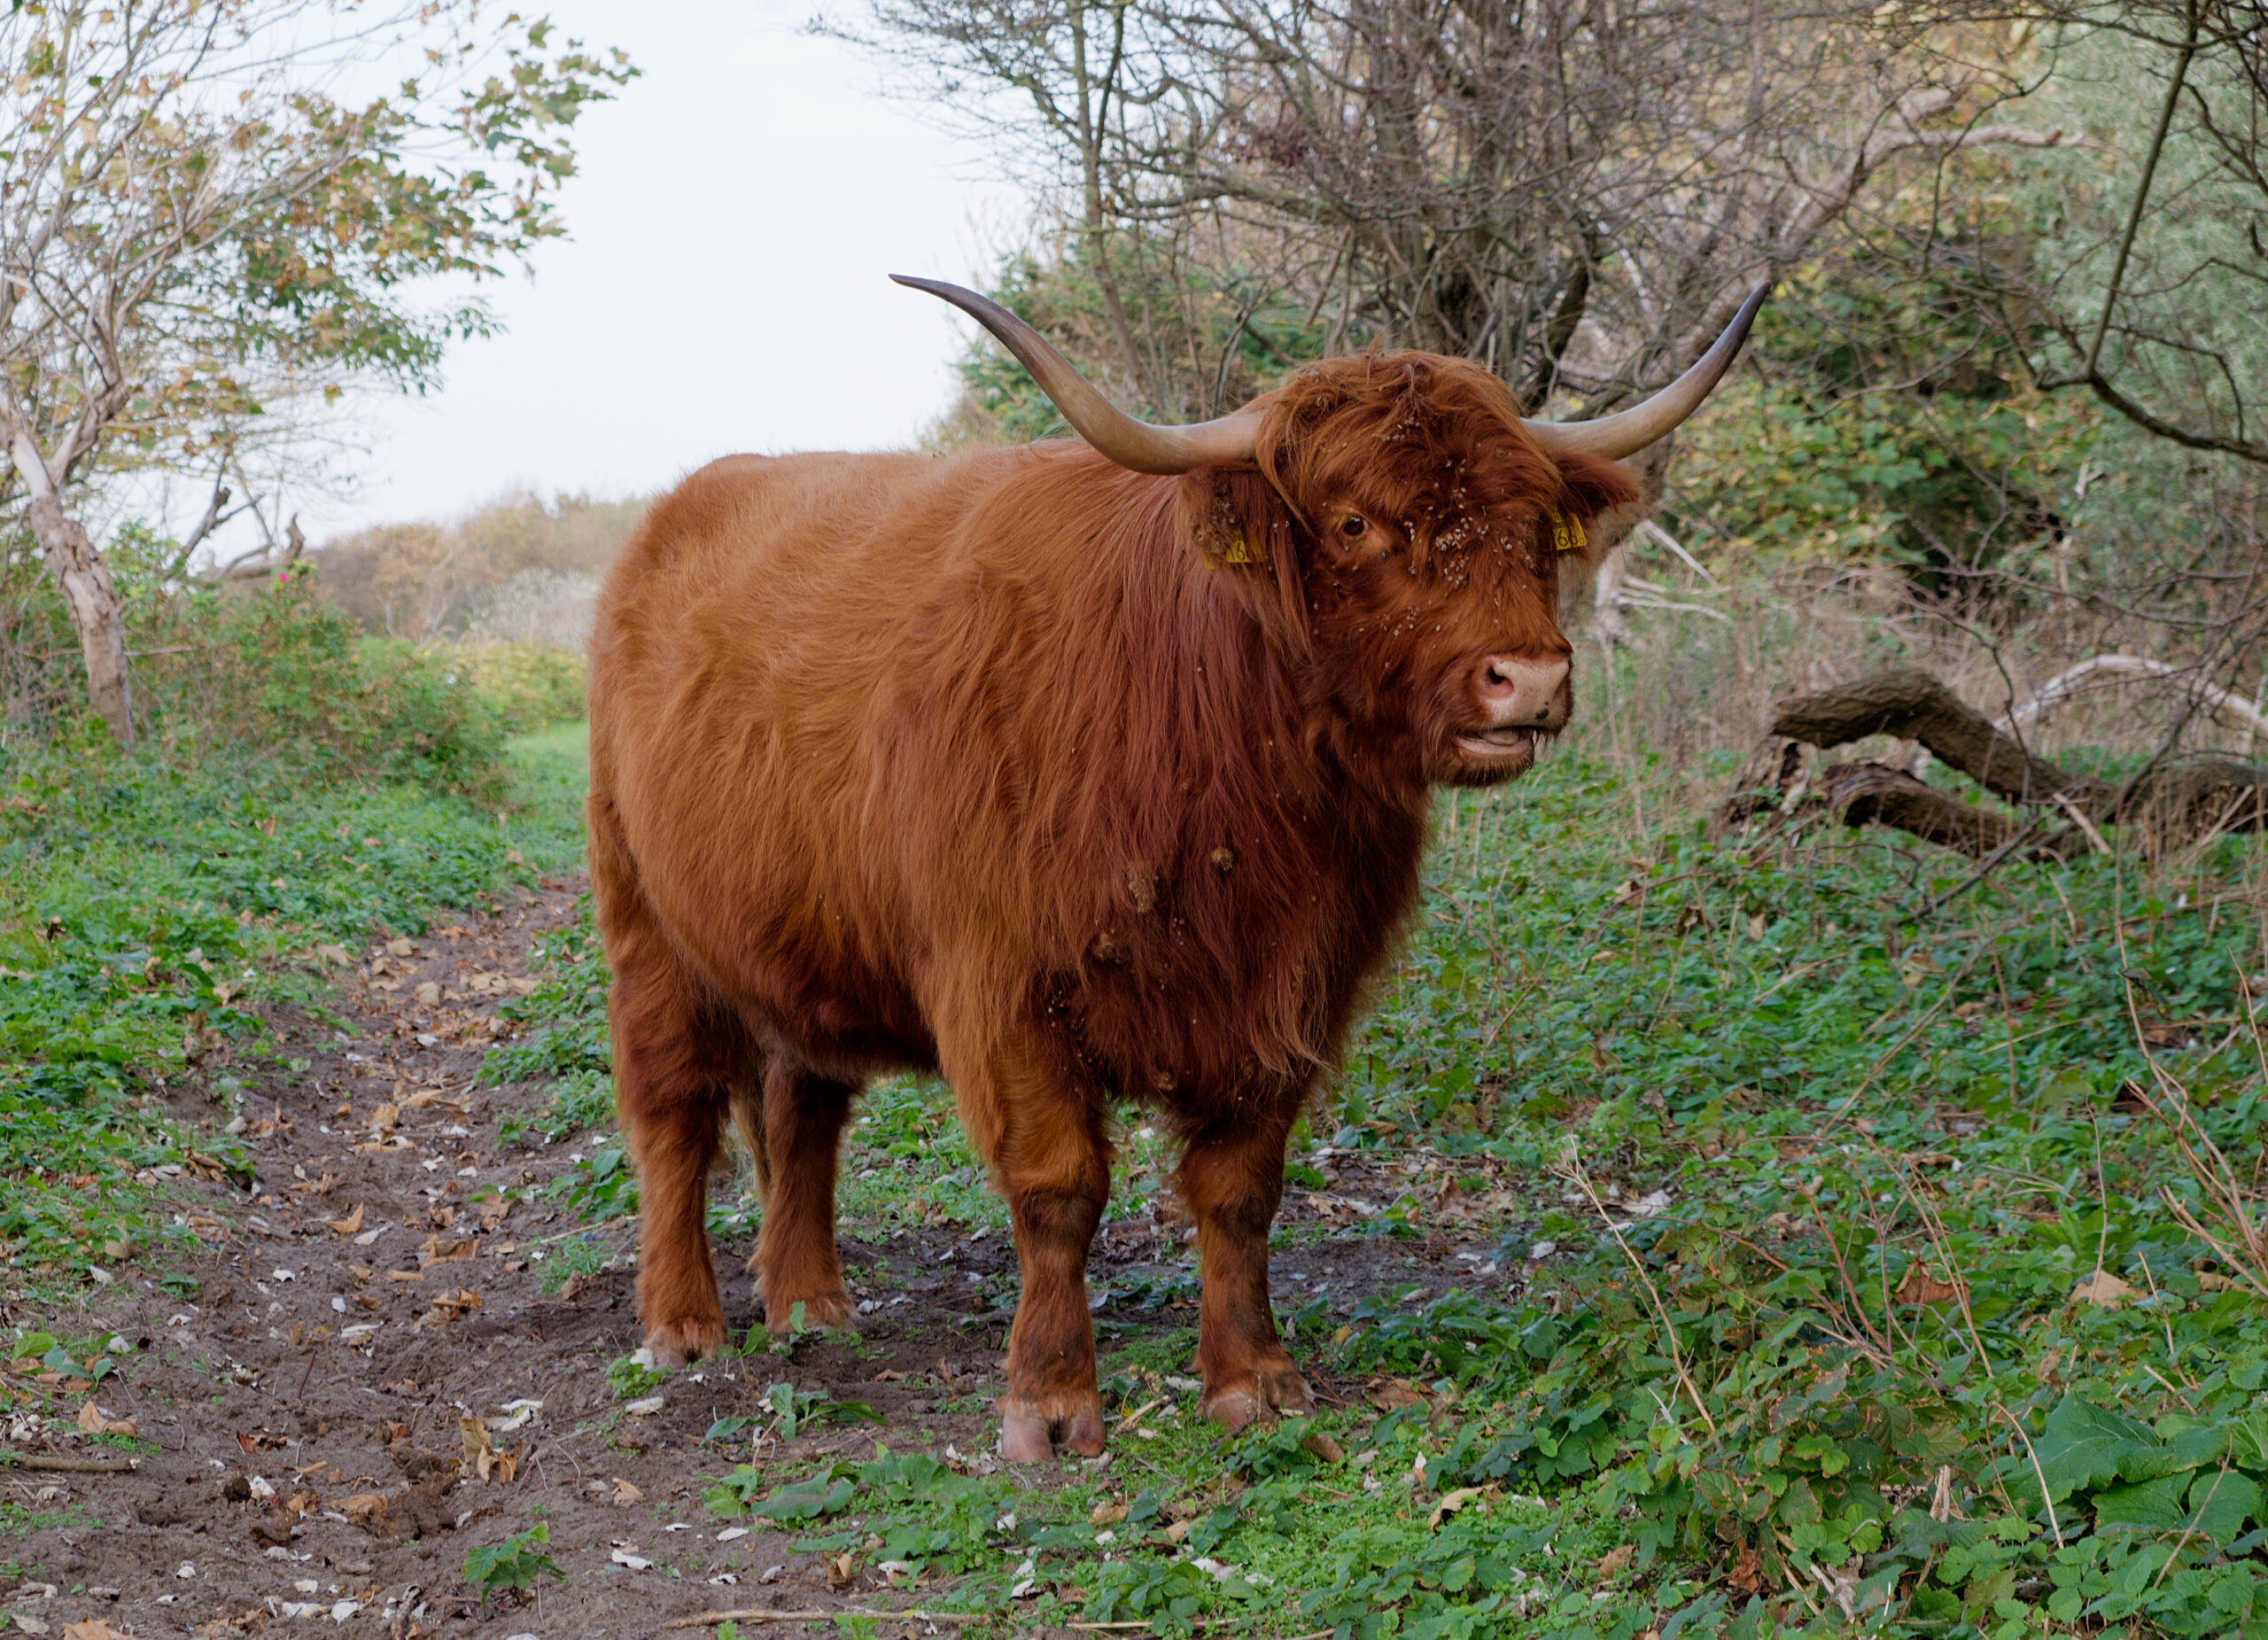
(1511, 742)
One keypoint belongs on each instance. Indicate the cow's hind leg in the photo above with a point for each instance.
(797, 1153)
(676, 1056)
(673, 1065)
(1042, 1130)
(1232, 1178)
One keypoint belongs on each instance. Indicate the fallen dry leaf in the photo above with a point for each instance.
(448, 1307)
(1617, 1557)
(494, 1210)
(401, 947)
(92, 1422)
(622, 1494)
(1320, 1446)
(428, 994)
(1107, 1514)
(1453, 1503)
(2103, 1290)
(351, 1224)
(1747, 1575)
(1389, 1393)
(1919, 1287)
(434, 1251)
(839, 1571)
(93, 1629)
(483, 1457)
(385, 1117)
(362, 1505)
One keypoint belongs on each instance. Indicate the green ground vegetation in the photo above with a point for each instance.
(152, 902)
(1850, 1240)
(1815, 1233)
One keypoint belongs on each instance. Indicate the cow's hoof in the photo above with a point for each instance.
(825, 1312)
(1030, 1434)
(1260, 1395)
(683, 1342)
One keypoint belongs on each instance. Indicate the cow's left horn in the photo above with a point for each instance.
(1628, 432)
(1140, 445)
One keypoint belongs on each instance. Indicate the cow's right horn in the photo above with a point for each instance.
(1141, 446)
(1628, 432)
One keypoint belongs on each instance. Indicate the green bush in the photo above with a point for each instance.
(278, 669)
(529, 685)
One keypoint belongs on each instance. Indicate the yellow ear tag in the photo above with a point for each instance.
(1566, 532)
(1239, 551)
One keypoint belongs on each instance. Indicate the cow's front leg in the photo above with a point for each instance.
(1042, 1133)
(1232, 1178)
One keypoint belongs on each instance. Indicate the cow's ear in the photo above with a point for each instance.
(1597, 505)
(1241, 527)
(1235, 519)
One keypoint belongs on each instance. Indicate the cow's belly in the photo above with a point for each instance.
(806, 988)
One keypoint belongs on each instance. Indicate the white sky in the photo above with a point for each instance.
(736, 212)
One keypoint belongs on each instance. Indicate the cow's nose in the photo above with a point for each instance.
(1521, 691)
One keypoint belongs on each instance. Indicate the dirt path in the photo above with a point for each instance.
(369, 1378)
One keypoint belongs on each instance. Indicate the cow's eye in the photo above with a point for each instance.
(1355, 526)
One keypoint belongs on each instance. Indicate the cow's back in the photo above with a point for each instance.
(734, 667)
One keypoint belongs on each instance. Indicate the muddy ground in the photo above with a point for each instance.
(370, 1333)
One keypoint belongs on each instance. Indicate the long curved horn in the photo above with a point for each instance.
(1140, 445)
(1628, 432)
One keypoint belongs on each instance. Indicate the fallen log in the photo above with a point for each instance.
(2172, 796)
(1912, 706)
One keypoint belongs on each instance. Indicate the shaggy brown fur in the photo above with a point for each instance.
(1072, 784)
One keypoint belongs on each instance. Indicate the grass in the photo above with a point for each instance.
(148, 909)
(1832, 1252)
(1863, 1297)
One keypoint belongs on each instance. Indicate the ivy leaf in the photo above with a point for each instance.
(2218, 1504)
(807, 1500)
(2084, 1445)
(2188, 1449)
(2152, 1506)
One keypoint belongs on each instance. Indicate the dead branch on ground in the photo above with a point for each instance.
(2188, 796)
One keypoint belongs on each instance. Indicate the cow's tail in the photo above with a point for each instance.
(747, 1126)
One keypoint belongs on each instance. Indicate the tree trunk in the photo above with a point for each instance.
(96, 611)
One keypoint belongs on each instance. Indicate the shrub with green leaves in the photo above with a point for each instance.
(278, 669)
(512, 1564)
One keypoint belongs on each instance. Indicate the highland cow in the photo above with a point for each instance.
(1090, 771)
